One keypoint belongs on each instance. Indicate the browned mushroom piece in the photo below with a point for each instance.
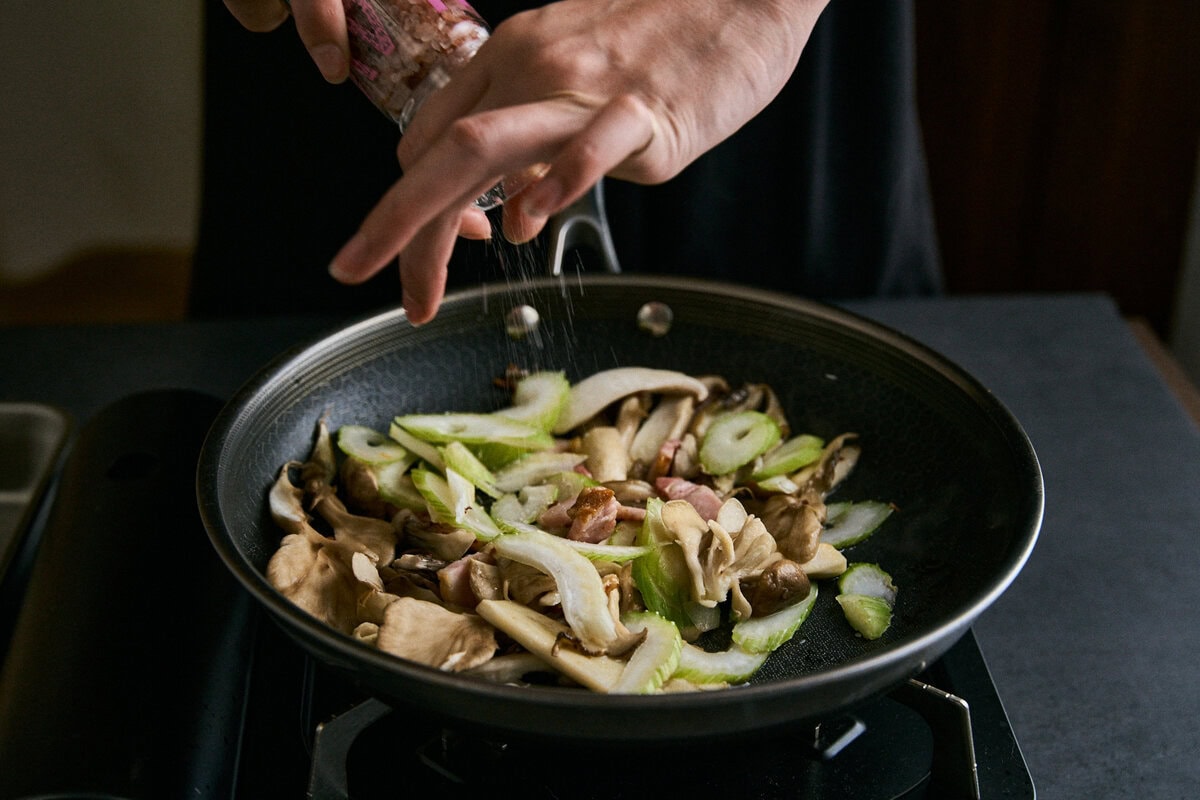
(526, 585)
(320, 469)
(838, 459)
(359, 488)
(423, 535)
(774, 409)
(314, 573)
(311, 570)
(778, 586)
(796, 523)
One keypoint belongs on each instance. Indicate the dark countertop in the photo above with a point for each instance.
(1094, 649)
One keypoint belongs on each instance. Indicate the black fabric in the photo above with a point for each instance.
(823, 194)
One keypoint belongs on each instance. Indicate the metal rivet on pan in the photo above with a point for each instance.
(655, 318)
(521, 321)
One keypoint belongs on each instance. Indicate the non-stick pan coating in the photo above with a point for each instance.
(961, 472)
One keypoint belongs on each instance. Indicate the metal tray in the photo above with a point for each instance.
(32, 437)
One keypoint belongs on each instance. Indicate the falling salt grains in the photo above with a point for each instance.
(655, 318)
(521, 321)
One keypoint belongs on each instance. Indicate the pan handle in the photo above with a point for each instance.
(582, 223)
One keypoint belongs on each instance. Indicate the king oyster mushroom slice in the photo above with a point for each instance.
(598, 391)
(607, 458)
(632, 411)
(631, 492)
(669, 420)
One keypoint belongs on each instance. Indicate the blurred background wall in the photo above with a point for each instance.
(99, 138)
(1062, 137)
(1063, 143)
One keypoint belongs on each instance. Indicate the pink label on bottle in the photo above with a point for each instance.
(365, 26)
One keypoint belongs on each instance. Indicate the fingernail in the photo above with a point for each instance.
(331, 61)
(414, 310)
(343, 266)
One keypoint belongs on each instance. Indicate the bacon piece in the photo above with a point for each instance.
(557, 515)
(706, 502)
(454, 581)
(630, 513)
(664, 459)
(594, 515)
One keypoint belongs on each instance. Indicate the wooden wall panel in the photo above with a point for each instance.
(1062, 142)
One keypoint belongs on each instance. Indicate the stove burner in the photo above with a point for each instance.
(916, 742)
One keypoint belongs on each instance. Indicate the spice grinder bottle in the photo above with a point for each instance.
(402, 51)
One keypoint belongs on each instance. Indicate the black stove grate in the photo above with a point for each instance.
(918, 741)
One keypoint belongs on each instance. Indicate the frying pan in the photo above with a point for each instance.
(937, 444)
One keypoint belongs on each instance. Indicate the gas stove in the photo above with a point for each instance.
(136, 667)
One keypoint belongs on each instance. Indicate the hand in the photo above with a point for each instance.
(320, 23)
(575, 90)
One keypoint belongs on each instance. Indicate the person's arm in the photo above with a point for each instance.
(634, 89)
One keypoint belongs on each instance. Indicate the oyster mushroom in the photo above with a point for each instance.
(720, 552)
(359, 484)
(373, 599)
(796, 523)
(314, 573)
(375, 537)
(311, 570)
(755, 551)
(598, 391)
(429, 634)
(525, 584)
(321, 467)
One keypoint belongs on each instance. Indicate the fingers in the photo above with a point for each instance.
(416, 201)
(259, 16)
(474, 224)
(439, 111)
(423, 268)
(321, 25)
(421, 216)
(622, 129)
